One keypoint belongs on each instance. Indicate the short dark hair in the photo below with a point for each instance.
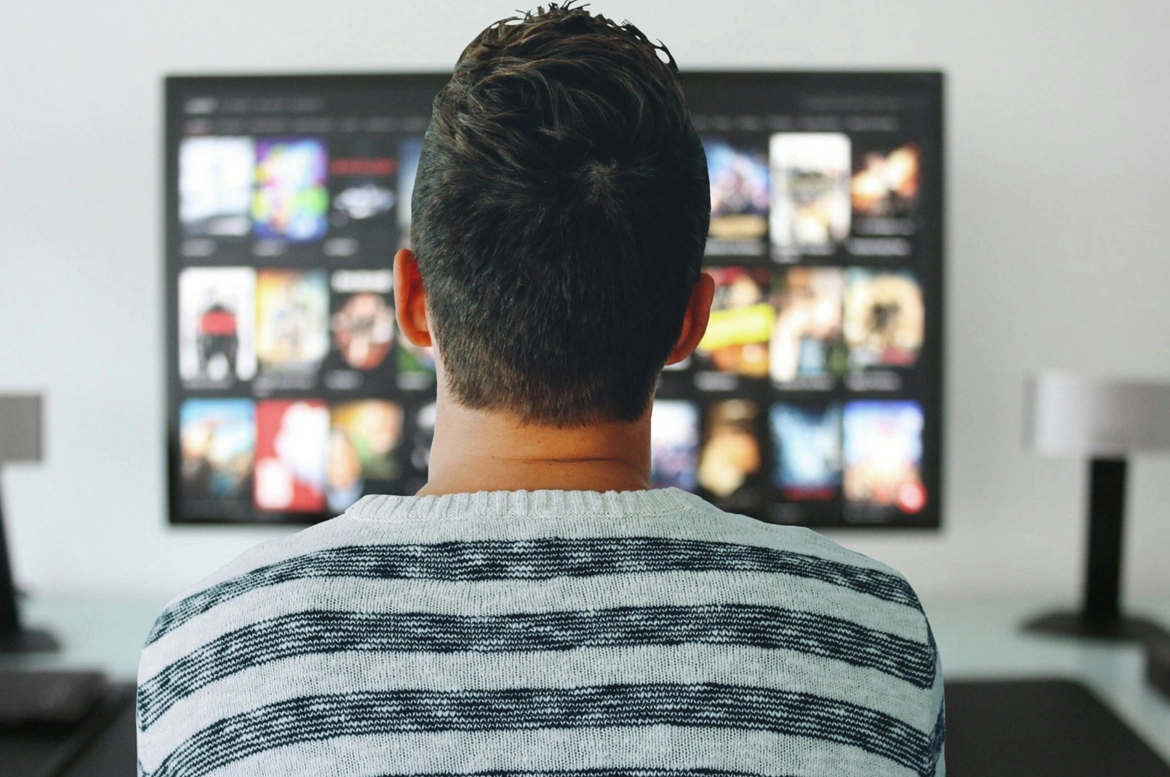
(560, 213)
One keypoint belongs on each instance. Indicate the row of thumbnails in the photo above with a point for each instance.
(784, 195)
(239, 457)
(802, 328)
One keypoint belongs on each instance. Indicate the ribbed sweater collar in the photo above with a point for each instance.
(524, 504)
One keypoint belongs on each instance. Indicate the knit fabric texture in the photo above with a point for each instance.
(543, 634)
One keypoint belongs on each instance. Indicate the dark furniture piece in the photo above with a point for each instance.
(104, 745)
(1037, 728)
(1009, 728)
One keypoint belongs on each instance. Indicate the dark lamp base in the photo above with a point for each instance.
(1120, 629)
(28, 641)
(1158, 667)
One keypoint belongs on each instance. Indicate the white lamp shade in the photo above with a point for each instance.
(1073, 415)
(20, 427)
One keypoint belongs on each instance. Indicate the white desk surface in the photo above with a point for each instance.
(977, 640)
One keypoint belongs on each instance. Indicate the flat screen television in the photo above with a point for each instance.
(815, 397)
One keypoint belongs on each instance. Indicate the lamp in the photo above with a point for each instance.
(1104, 421)
(20, 441)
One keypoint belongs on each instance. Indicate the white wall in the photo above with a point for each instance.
(1059, 233)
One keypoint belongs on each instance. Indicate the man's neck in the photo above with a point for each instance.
(488, 451)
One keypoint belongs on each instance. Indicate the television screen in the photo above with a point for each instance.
(813, 399)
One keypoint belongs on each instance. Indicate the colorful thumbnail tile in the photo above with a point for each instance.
(674, 443)
(361, 174)
(363, 439)
(292, 444)
(292, 318)
(806, 340)
(741, 322)
(886, 182)
(291, 200)
(409, 152)
(363, 318)
(215, 186)
(422, 438)
(217, 444)
(216, 325)
(810, 178)
(739, 190)
(807, 445)
(731, 453)
(883, 454)
(885, 318)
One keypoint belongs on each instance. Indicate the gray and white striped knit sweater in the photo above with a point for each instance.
(543, 634)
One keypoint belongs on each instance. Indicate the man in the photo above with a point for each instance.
(536, 609)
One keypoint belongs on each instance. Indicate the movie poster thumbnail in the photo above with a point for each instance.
(884, 318)
(807, 351)
(420, 433)
(216, 326)
(674, 444)
(806, 444)
(739, 198)
(364, 437)
(409, 151)
(215, 186)
(422, 436)
(292, 447)
(810, 186)
(291, 199)
(883, 454)
(362, 328)
(292, 323)
(731, 461)
(363, 187)
(885, 187)
(416, 365)
(736, 340)
(217, 445)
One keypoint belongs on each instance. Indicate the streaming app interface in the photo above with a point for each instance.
(813, 399)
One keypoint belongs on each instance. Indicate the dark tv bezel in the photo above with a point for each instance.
(929, 85)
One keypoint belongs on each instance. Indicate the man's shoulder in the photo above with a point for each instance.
(739, 604)
(802, 553)
(261, 565)
(692, 537)
(845, 590)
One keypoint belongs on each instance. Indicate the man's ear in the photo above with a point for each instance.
(410, 306)
(694, 320)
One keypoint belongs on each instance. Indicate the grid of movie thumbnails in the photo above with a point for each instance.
(296, 394)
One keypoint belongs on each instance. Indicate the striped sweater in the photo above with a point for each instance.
(543, 634)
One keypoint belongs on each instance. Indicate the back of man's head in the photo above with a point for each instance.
(559, 218)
